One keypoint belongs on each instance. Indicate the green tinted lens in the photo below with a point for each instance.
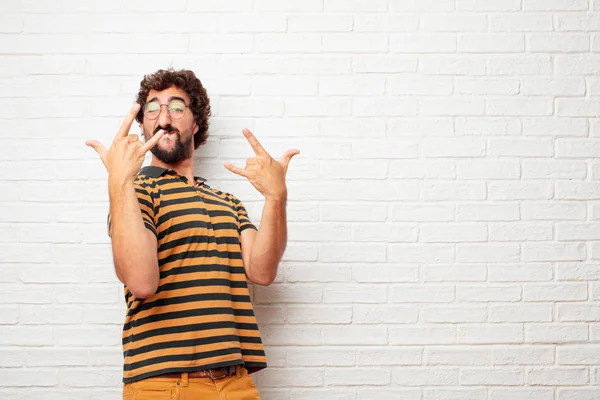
(176, 108)
(152, 109)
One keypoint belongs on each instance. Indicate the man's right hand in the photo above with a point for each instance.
(126, 154)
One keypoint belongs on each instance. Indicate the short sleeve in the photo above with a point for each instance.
(147, 208)
(242, 216)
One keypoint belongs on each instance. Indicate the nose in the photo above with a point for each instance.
(164, 118)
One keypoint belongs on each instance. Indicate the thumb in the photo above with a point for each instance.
(287, 157)
(99, 147)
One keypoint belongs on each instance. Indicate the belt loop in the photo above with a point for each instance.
(238, 371)
(184, 379)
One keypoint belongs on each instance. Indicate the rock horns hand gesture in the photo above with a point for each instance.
(126, 154)
(266, 174)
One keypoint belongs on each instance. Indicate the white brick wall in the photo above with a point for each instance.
(444, 231)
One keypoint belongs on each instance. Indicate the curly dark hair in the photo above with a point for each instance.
(186, 80)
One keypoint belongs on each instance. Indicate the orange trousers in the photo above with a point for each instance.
(234, 387)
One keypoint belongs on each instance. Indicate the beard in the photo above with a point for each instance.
(179, 151)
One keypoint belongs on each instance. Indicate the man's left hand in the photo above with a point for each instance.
(265, 173)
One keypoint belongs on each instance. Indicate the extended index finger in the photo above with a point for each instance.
(126, 125)
(256, 146)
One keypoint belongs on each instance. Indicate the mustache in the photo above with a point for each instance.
(166, 128)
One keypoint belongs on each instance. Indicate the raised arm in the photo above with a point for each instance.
(262, 250)
(134, 244)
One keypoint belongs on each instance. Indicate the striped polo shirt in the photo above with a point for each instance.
(201, 315)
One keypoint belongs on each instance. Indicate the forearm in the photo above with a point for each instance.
(270, 242)
(133, 245)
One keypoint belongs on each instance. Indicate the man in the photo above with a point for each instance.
(184, 250)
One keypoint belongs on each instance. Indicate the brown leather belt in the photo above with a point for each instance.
(213, 373)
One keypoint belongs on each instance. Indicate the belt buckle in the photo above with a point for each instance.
(214, 378)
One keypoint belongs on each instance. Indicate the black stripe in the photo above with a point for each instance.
(249, 352)
(186, 200)
(190, 269)
(150, 227)
(164, 181)
(201, 283)
(180, 213)
(183, 226)
(250, 339)
(178, 190)
(180, 357)
(196, 312)
(189, 299)
(233, 255)
(175, 344)
(225, 225)
(198, 239)
(205, 326)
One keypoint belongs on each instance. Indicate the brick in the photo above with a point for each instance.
(28, 378)
(526, 190)
(417, 43)
(488, 293)
(554, 87)
(526, 108)
(498, 393)
(521, 22)
(490, 86)
(577, 22)
(452, 233)
(422, 5)
(530, 272)
(487, 212)
(454, 22)
(358, 377)
(355, 335)
(574, 127)
(489, 252)
(554, 169)
(356, 5)
(488, 5)
(425, 376)
(368, 63)
(578, 355)
(423, 334)
(557, 376)
(320, 23)
(520, 232)
(452, 65)
(521, 313)
(377, 314)
(454, 314)
(354, 294)
(502, 65)
(488, 170)
(577, 272)
(318, 315)
(322, 357)
(457, 355)
(454, 273)
(578, 312)
(490, 334)
(522, 355)
(384, 273)
(555, 5)
(489, 376)
(355, 43)
(578, 394)
(491, 43)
